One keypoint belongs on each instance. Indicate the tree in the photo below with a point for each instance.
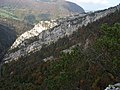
(109, 45)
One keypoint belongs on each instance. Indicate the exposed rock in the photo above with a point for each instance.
(71, 48)
(48, 58)
(42, 34)
(113, 87)
(43, 25)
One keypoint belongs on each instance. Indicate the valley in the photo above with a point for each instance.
(76, 51)
(33, 11)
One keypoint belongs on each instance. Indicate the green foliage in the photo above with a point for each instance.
(64, 74)
(30, 19)
(6, 14)
(92, 68)
(44, 17)
(109, 45)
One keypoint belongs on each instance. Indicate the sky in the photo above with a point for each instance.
(93, 5)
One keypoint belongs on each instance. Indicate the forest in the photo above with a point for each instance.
(91, 66)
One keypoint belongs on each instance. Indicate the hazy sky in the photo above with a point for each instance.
(92, 5)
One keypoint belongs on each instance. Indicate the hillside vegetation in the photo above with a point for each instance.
(91, 66)
(7, 36)
(6, 14)
(10, 29)
(32, 11)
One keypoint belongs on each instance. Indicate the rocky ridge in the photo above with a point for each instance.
(10, 29)
(33, 40)
(113, 87)
(43, 25)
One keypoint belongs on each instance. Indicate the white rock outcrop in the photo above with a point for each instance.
(113, 87)
(47, 32)
(43, 25)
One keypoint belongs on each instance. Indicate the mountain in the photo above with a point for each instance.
(18, 26)
(40, 35)
(66, 54)
(69, 53)
(7, 37)
(13, 12)
(6, 14)
(33, 11)
(10, 29)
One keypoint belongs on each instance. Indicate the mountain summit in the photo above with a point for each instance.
(36, 10)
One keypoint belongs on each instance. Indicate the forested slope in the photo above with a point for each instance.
(92, 65)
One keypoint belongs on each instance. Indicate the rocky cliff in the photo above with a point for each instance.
(87, 59)
(113, 87)
(48, 32)
(10, 29)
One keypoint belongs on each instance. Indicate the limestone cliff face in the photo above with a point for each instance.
(113, 87)
(43, 25)
(47, 32)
